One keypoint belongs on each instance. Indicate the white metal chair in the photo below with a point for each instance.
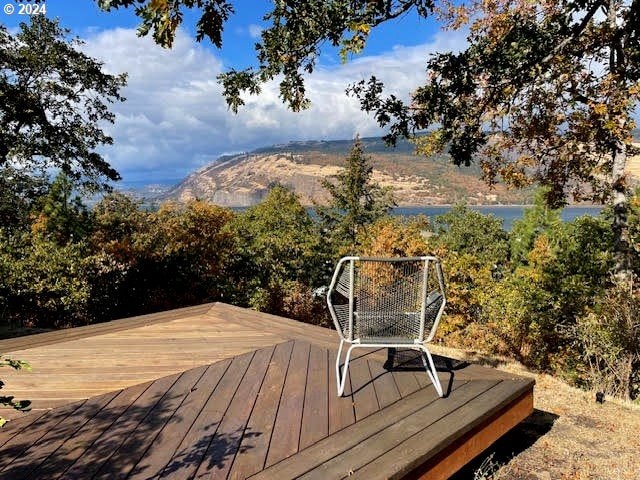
(387, 302)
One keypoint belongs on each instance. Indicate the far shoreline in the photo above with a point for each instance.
(490, 205)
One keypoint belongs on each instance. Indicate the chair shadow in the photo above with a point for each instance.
(409, 360)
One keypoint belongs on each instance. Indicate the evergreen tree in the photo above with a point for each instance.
(356, 201)
(535, 220)
(63, 217)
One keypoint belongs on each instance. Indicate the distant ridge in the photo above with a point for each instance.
(244, 179)
(371, 145)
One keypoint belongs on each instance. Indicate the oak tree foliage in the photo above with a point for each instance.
(291, 43)
(54, 100)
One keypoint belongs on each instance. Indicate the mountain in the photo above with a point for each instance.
(244, 179)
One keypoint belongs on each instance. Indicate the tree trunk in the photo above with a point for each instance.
(622, 250)
(620, 202)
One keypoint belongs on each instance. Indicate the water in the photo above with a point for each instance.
(507, 213)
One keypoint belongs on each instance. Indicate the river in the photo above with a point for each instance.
(507, 213)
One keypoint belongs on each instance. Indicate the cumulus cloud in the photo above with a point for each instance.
(175, 119)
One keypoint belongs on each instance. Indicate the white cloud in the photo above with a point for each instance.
(255, 31)
(175, 119)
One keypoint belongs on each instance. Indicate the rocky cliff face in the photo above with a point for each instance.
(244, 180)
(633, 167)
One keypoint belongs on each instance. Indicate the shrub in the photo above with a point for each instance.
(277, 246)
(608, 337)
(396, 237)
(466, 231)
(44, 284)
(519, 319)
(182, 253)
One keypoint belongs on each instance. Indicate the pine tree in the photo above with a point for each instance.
(356, 200)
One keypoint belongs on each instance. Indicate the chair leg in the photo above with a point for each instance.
(431, 370)
(391, 356)
(341, 377)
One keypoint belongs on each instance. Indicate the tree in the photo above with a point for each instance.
(44, 284)
(54, 102)
(466, 231)
(116, 219)
(290, 46)
(181, 255)
(63, 217)
(535, 220)
(543, 93)
(19, 192)
(277, 254)
(356, 201)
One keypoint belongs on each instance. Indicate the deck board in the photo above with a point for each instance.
(315, 416)
(123, 428)
(221, 453)
(362, 386)
(172, 433)
(56, 436)
(145, 433)
(286, 429)
(260, 405)
(409, 450)
(376, 445)
(71, 366)
(349, 437)
(383, 384)
(341, 410)
(198, 438)
(16, 445)
(252, 453)
(69, 452)
(125, 324)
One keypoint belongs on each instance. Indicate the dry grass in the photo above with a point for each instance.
(569, 436)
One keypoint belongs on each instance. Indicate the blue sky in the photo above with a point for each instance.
(174, 119)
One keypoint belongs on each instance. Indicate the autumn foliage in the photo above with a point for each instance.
(542, 293)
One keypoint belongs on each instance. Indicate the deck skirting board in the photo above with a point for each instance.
(473, 443)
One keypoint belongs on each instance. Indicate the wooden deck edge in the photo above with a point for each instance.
(276, 320)
(75, 333)
(473, 443)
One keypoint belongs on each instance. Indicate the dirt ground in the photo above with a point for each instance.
(568, 437)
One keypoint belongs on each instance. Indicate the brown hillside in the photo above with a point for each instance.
(243, 180)
(633, 166)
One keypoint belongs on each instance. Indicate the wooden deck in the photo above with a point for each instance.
(223, 392)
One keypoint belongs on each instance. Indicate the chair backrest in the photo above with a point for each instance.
(373, 300)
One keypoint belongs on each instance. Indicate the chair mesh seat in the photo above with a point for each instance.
(380, 325)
